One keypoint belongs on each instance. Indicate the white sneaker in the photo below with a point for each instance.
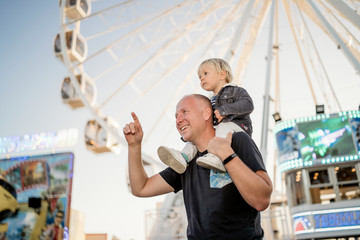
(173, 158)
(211, 161)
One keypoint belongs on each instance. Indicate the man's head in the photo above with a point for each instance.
(194, 119)
(59, 217)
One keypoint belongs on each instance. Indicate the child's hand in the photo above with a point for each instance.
(218, 116)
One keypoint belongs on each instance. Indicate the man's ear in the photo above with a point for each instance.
(207, 113)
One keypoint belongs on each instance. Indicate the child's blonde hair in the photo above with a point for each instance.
(219, 65)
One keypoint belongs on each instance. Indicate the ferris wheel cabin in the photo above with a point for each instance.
(320, 159)
(72, 98)
(75, 44)
(97, 139)
(76, 9)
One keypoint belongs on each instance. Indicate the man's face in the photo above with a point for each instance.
(189, 118)
(58, 218)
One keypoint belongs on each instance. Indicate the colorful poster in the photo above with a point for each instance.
(43, 196)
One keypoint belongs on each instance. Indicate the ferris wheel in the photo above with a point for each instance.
(142, 56)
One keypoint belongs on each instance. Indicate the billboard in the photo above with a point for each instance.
(326, 222)
(320, 139)
(43, 192)
(329, 137)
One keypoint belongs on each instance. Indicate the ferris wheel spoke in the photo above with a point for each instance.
(158, 54)
(181, 57)
(135, 48)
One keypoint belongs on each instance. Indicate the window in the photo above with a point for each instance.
(57, 45)
(348, 182)
(84, 5)
(345, 173)
(321, 190)
(89, 91)
(297, 193)
(80, 47)
(323, 195)
(325, 185)
(345, 185)
(319, 177)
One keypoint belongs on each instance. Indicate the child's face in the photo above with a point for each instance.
(210, 79)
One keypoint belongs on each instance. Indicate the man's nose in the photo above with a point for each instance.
(179, 119)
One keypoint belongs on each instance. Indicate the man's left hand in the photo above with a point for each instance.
(221, 147)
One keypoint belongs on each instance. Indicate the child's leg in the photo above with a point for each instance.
(212, 161)
(225, 127)
(175, 159)
(189, 151)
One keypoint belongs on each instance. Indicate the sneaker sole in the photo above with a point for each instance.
(167, 158)
(218, 168)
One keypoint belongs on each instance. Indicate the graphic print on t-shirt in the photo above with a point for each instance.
(218, 179)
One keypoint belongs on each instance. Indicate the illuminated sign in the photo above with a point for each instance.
(321, 139)
(330, 137)
(327, 220)
(302, 224)
(39, 141)
(337, 219)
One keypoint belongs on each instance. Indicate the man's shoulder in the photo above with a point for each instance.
(248, 151)
(242, 139)
(241, 135)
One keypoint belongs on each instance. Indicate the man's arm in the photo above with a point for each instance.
(254, 187)
(141, 185)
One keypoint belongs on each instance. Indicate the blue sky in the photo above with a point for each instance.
(31, 75)
(30, 102)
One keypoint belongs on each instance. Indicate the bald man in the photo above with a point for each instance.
(218, 205)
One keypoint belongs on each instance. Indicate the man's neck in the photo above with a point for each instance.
(204, 139)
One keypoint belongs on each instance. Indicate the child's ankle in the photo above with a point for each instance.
(185, 157)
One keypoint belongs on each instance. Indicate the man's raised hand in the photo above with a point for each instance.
(133, 131)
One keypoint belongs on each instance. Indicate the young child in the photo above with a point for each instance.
(232, 106)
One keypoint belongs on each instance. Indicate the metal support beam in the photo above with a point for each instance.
(336, 37)
(235, 41)
(346, 11)
(265, 118)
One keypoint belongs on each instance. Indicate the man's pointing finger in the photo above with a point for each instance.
(136, 119)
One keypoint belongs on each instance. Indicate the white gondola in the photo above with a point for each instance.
(97, 139)
(90, 133)
(76, 46)
(76, 9)
(72, 98)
